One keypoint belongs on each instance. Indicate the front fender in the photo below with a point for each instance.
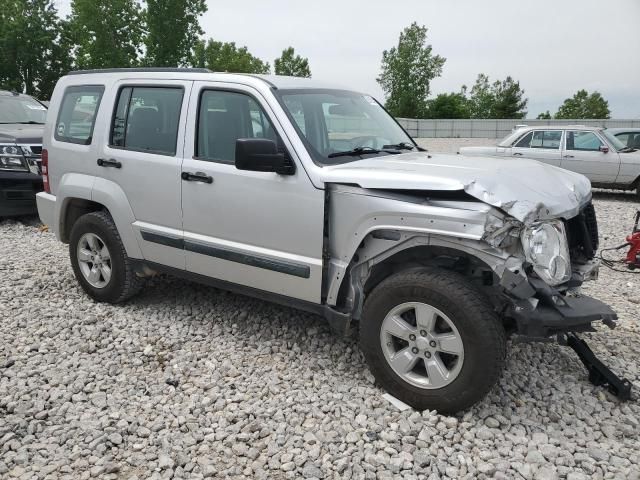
(360, 218)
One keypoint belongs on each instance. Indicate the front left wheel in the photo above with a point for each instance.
(100, 261)
(432, 339)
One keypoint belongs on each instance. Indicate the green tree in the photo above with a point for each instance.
(291, 64)
(33, 54)
(173, 28)
(544, 116)
(226, 57)
(583, 105)
(448, 105)
(500, 99)
(509, 101)
(407, 70)
(107, 33)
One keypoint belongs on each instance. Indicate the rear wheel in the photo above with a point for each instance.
(100, 261)
(432, 340)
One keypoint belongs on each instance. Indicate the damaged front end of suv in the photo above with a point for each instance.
(527, 245)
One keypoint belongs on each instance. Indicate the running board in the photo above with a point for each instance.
(599, 373)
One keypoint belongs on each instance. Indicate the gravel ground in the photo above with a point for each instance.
(186, 381)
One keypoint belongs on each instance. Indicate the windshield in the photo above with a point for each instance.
(21, 109)
(335, 122)
(613, 140)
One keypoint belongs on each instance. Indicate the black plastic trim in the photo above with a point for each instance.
(162, 239)
(258, 261)
(305, 305)
(289, 268)
(150, 69)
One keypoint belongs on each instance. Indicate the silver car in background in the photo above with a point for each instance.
(592, 151)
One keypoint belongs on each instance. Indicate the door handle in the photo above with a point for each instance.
(517, 154)
(196, 177)
(568, 156)
(109, 163)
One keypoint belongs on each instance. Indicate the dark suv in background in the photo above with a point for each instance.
(21, 123)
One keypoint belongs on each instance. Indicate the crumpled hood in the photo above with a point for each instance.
(525, 189)
(489, 150)
(18, 133)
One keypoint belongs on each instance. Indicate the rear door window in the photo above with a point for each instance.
(146, 119)
(77, 115)
(549, 139)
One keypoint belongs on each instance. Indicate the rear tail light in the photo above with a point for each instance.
(45, 170)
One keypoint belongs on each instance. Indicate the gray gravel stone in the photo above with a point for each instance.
(268, 392)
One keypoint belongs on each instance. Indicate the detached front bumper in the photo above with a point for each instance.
(18, 193)
(541, 311)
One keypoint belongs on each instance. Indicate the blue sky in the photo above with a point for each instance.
(553, 47)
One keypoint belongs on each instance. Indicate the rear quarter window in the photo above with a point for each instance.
(77, 114)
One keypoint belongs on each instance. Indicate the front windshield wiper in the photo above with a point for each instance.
(30, 122)
(361, 151)
(400, 146)
(627, 149)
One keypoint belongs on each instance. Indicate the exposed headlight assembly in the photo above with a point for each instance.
(546, 248)
(11, 158)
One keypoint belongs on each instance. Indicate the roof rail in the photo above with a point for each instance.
(145, 69)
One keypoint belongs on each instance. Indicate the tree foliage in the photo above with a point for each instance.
(107, 33)
(500, 99)
(291, 64)
(173, 28)
(582, 105)
(32, 49)
(544, 116)
(226, 57)
(448, 105)
(407, 70)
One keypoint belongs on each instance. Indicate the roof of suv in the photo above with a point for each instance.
(275, 81)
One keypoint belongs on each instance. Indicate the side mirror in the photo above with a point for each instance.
(260, 155)
(604, 149)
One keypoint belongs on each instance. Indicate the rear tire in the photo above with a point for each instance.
(99, 259)
(457, 357)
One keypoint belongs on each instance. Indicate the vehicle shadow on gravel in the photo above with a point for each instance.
(617, 195)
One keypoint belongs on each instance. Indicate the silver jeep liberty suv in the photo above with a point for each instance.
(313, 196)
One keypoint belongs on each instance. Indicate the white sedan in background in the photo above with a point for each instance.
(592, 151)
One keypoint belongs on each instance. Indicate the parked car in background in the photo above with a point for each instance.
(312, 196)
(22, 121)
(629, 136)
(592, 151)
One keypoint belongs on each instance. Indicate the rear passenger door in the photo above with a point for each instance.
(541, 145)
(582, 153)
(142, 155)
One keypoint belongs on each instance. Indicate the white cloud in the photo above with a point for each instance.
(552, 47)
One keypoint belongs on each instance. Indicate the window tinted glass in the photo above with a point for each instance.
(546, 139)
(223, 118)
(623, 137)
(77, 115)
(587, 141)
(146, 118)
(21, 109)
(525, 141)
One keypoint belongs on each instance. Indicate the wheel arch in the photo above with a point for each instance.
(81, 194)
